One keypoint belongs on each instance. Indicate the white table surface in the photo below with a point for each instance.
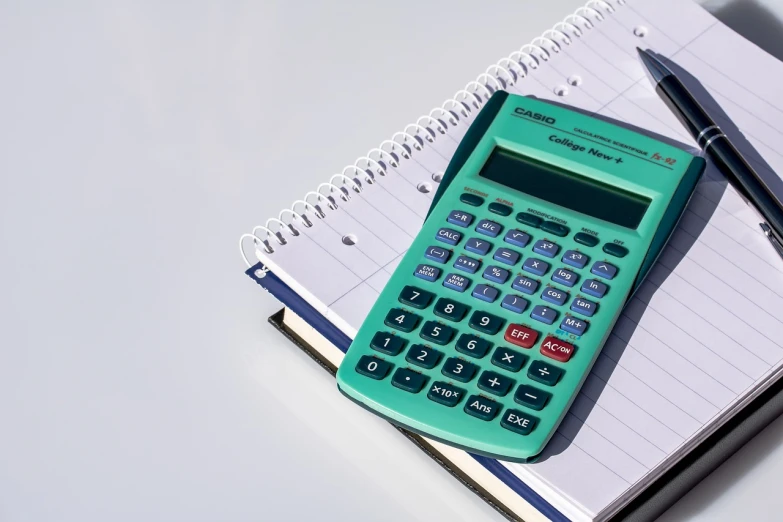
(139, 379)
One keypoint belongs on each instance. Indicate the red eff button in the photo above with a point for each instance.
(557, 349)
(521, 335)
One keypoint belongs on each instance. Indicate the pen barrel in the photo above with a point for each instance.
(690, 113)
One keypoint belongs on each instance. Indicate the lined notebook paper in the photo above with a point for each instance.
(702, 333)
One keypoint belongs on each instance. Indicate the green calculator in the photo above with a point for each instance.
(545, 223)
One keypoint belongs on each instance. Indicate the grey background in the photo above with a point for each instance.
(138, 377)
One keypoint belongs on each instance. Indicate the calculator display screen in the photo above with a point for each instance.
(565, 188)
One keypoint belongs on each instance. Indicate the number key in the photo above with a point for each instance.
(401, 320)
(458, 369)
(486, 323)
(423, 356)
(416, 297)
(473, 345)
(373, 367)
(451, 310)
(387, 343)
(437, 333)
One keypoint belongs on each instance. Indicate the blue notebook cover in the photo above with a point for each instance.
(303, 309)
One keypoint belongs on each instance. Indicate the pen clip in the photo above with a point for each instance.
(773, 238)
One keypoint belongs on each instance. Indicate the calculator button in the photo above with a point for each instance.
(504, 255)
(437, 254)
(554, 296)
(584, 307)
(544, 314)
(500, 209)
(481, 407)
(585, 239)
(456, 282)
(603, 269)
(416, 297)
(401, 320)
(444, 393)
(467, 264)
(573, 325)
(575, 259)
(525, 285)
(517, 238)
(514, 303)
(423, 356)
(486, 293)
(496, 274)
(594, 287)
(473, 345)
(535, 266)
(448, 236)
(437, 333)
(485, 323)
(544, 373)
(545, 248)
(451, 310)
(565, 277)
(531, 397)
(373, 367)
(458, 369)
(488, 228)
(427, 272)
(616, 250)
(387, 343)
(508, 359)
(478, 246)
(493, 382)
(521, 335)
(518, 422)
(408, 380)
(529, 219)
(556, 349)
(471, 199)
(459, 218)
(554, 228)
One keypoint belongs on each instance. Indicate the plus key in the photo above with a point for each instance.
(521, 335)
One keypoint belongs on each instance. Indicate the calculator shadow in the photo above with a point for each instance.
(698, 213)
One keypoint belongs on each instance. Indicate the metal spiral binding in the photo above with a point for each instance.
(367, 170)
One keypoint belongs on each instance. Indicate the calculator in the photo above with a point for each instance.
(545, 223)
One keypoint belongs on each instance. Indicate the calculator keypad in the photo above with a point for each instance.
(459, 369)
(437, 333)
(401, 320)
(423, 356)
(416, 297)
(451, 310)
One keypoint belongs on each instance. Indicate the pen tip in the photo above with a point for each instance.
(655, 69)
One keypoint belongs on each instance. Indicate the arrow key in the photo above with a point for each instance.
(603, 269)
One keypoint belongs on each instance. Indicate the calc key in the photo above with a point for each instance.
(603, 269)
(373, 367)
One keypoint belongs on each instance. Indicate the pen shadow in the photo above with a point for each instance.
(699, 211)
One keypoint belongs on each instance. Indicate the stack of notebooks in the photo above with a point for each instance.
(691, 370)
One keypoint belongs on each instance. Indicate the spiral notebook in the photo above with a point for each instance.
(700, 339)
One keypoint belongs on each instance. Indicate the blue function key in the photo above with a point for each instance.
(451, 310)
(467, 264)
(485, 322)
(546, 248)
(525, 285)
(518, 421)
(508, 359)
(445, 394)
(514, 303)
(564, 277)
(517, 238)
(401, 320)
(544, 314)
(535, 266)
(554, 296)
(388, 343)
(427, 272)
(504, 255)
(437, 254)
(495, 383)
(458, 369)
(437, 333)
(486, 293)
(573, 325)
(481, 407)
(423, 356)
(584, 307)
(471, 199)
(408, 380)
(473, 345)
(459, 218)
(603, 269)
(478, 246)
(448, 236)
(373, 367)
(489, 228)
(531, 397)
(575, 259)
(499, 209)
(416, 297)
(456, 282)
(594, 288)
(496, 274)
(544, 373)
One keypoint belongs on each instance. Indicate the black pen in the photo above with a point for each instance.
(715, 143)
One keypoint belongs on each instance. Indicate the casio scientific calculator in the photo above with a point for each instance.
(545, 223)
